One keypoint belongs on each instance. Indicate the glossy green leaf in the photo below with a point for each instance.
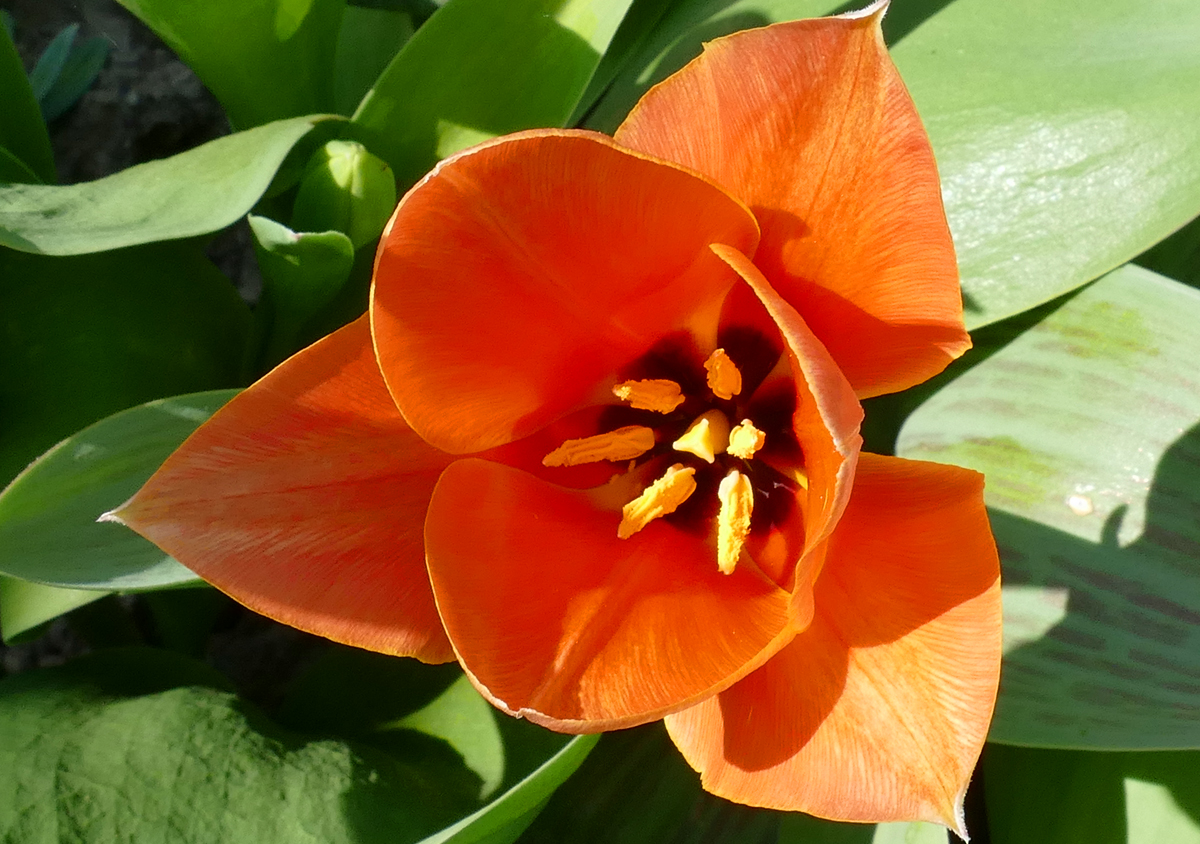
(190, 763)
(48, 527)
(26, 606)
(478, 69)
(1068, 137)
(195, 192)
(1072, 797)
(302, 273)
(83, 337)
(369, 39)
(22, 130)
(266, 60)
(1087, 428)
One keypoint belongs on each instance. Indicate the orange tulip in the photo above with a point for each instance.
(597, 439)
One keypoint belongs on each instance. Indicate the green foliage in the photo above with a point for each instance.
(1086, 429)
(22, 131)
(265, 60)
(195, 192)
(479, 69)
(48, 527)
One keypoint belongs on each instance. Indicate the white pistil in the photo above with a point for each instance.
(706, 437)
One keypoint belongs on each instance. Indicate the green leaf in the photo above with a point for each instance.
(48, 527)
(50, 63)
(1069, 797)
(1178, 256)
(1068, 138)
(26, 606)
(795, 828)
(1087, 428)
(13, 169)
(266, 60)
(195, 192)
(22, 130)
(368, 40)
(478, 69)
(189, 763)
(82, 67)
(504, 819)
(86, 336)
(302, 273)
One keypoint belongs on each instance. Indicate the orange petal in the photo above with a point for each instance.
(826, 419)
(304, 498)
(518, 276)
(809, 124)
(878, 711)
(557, 620)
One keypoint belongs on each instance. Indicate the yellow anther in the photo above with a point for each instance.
(724, 378)
(660, 498)
(745, 440)
(706, 437)
(657, 394)
(733, 522)
(621, 444)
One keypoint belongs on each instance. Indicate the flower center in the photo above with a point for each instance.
(709, 437)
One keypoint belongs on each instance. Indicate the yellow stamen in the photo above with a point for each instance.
(745, 440)
(724, 378)
(706, 437)
(621, 444)
(733, 522)
(657, 394)
(660, 498)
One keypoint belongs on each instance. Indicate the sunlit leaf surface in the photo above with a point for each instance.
(1088, 430)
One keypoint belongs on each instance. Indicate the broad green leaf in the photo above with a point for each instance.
(191, 763)
(369, 39)
(25, 606)
(264, 60)
(22, 130)
(302, 273)
(83, 65)
(1073, 797)
(1068, 137)
(195, 192)
(1087, 428)
(48, 527)
(83, 337)
(478, 69)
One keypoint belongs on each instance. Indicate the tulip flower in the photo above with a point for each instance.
(598, 439)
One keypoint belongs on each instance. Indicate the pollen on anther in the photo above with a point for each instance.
(621, 444)
(659, 499)
(733, 522)
(724, 378)
(658, 394)
(745, 440)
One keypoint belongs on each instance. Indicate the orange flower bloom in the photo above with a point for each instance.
(599, 439)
